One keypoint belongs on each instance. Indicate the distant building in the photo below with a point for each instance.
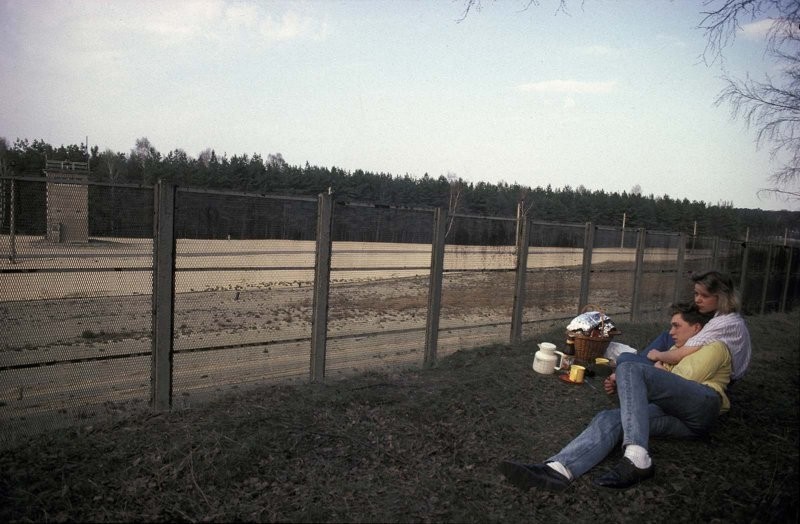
(67, 201)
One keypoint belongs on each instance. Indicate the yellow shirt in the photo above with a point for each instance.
(711, 366)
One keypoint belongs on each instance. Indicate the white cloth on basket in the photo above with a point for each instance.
(615, 349)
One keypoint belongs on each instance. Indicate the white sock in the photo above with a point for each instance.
(638, 455)
(560, 468)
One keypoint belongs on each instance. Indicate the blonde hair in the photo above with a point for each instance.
(721, 285)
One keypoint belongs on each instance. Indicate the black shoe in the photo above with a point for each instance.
(624, 475)
(526, 476)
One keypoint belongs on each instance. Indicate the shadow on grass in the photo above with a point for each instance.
(414, 446)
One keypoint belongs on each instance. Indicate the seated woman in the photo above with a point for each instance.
(714, 291)
(660, 400)
(715, 295)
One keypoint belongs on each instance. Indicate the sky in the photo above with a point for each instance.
(611, 95)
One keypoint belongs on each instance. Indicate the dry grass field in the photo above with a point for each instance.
(413, 446)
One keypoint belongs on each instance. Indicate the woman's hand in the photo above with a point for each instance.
(654, 355)
(660, 365)
(610, 384)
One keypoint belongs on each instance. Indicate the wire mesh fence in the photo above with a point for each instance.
(379, 266)
(75, 316)
(111, 299)
(243, 275)
(477, 282)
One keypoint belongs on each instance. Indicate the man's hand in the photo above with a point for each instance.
(610, 384)
(654, 355)
(660, 365)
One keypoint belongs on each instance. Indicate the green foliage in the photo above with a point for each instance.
(145, 165)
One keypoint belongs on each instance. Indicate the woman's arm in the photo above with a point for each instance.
(673, 356)
(706, 364)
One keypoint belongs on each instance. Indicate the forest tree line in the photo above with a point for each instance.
(145, 165)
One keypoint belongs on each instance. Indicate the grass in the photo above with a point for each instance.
(414, 446)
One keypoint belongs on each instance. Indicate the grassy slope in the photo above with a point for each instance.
(415, 445)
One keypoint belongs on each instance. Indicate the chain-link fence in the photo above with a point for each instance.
(119, 297)
(75, 316)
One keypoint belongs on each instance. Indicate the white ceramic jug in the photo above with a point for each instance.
(544, 361)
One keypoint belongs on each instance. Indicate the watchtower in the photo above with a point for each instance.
(67, 201)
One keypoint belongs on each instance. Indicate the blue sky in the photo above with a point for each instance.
(609, 96)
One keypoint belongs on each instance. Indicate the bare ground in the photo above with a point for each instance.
(228, 338)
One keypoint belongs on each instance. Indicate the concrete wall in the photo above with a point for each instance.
(67, 207)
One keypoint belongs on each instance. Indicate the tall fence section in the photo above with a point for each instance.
(177, 294)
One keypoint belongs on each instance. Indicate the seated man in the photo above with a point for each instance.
(714, 295)
(681, 401)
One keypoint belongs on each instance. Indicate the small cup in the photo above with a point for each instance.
(576, 373)
(602, 367)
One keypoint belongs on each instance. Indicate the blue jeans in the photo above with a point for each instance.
(662, 343)
(654, 403)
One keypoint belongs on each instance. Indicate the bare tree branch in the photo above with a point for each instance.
(477, 5)
(771, 106)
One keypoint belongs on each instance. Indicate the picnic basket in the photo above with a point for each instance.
(590, 346)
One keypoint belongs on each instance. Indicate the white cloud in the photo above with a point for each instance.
(114, 43)
(242, 15)
(168, 23)
(757, 30)
(670, 41)
(290, 26)
(224, 22)
(599, 50)
(567, 86)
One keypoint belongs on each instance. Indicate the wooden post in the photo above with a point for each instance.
(163, 296)
(322, 279)
(715, 253)
(743, 277)
(586, 271)
(435, 286)
(523, 227)
(785, 293)
(676, 295)
(12, 253)
(765, 284)
(638, 275)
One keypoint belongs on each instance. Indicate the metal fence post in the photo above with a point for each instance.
(638, 274)
(676, 296)
(586, 271)
(322, 279)
(163, 296)
(435, 286)
(523, 227)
